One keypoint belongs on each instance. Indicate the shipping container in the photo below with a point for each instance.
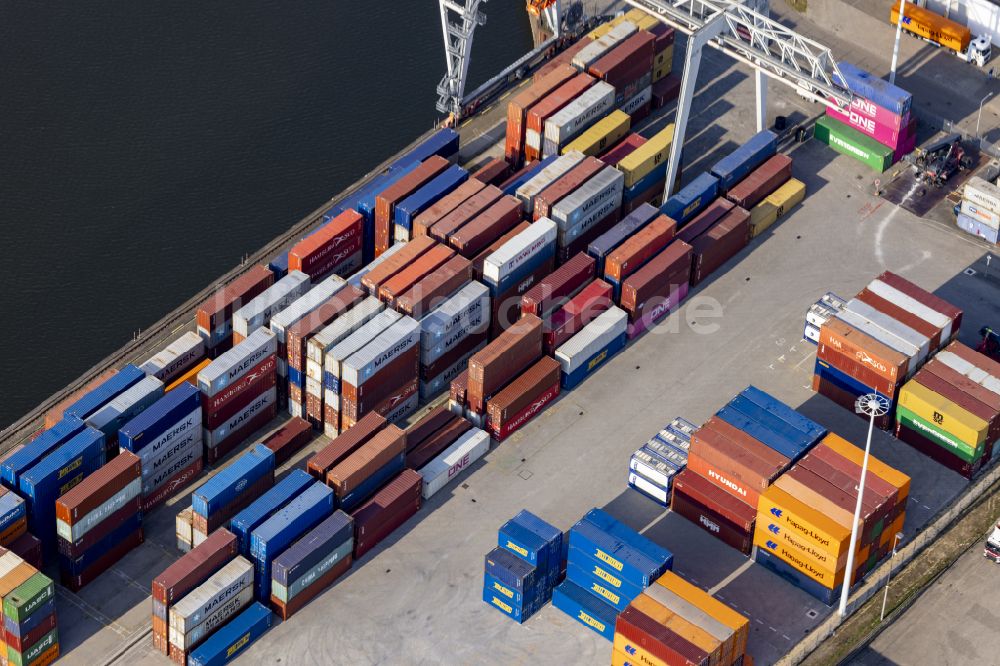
(445, 466)
(234, 637)
(626, 62)
(178, 357)
(406, 211)
(518, 107)
(402, 281)
(603, 134)
(530, 170)
(692, 199)
(585, 608)
(576, 117)
(735, 166)
(476, 205)
(50, 440)
(849, 141)
(551, 172)
(316, 548)
(479, 232)
(302, 307)
(520, 256)
(523, 398)
(388, 509)
(502, 359)
(630, 225)
(236, 362)
(257, 313)
(560, 286)
(720, 243)
(264, 506)
(446, 205)
(621, 150)
(436, 288)
(335, 248)
(647, 157)
(553, 103)
(565, 185)
(214, 316)
(386, 201)
(761, 181)
(594, 344)
(288, 439)
(594, 50)
(492, 172)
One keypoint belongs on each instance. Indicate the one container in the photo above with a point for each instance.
(457, 457)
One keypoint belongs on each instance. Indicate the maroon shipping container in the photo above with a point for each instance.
(521, 392)
(565, 185)
(922, 326)
(739, 514)
(847, 400)
(938, 453)
(237, 396)
(445, 361)
(880, 496)
(385, 203)
(180, 480)
(513, 351)
(719, 244)
(400, 370)
(446, 205)
(669, 268)
(838, 497)
(472, 208)
(853, 471)
(930, 300)
(851, 366)
(345, 444)
(962, 399)
(663, 38)
(579, 311)
(761, 182)
(972, 389)
(19, 643)
(219, 307)
(307, 594)
(639, 248)
(704, 220)
(493, 172)
(657, 639)
(28, 548)
(563, 58)
(397, 397)
(388, 509)
(622, 149)
(433, 445)
(711, 520)
(427, 425)
(760, 450)
(98, 488)
(221, 516)
(413, 250)
(517, 108)
(981, 361)
(371, 456)
(335, 247)
(505, 308)
(435, 288)
(256, 422)
(102, 529)
(549, 106)
(627, 61)
(738, 458)
(666, 90)
(297, 336)
(418, 269)
(478, 259)
(289, 439)
(559, 287)
(479, 232)
(458, 390)
(195, 567)
(103, 563)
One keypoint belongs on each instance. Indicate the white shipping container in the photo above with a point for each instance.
(183, 525)
(659, 474)
(466, 450)
(891, 325)
(976, 374)
(219, 617)
(606, 185)
(180, 455)
(232, 365)
(574, 118)
(196, 606)
(898, 298)
(394, 341)
(403, 409)
(527, 192)
(325, 339)
(186, 424)
(110, 418)
(984, 215)
(197, 538)
(885, 337)
(296, 408)
(540, 235)
(458, 313)
(282, 321)
(983, 193)
(593, 52)
(595, 215)
(819, 313)
(333, 334)
(75, 532)
(632, 104)
(354, 342)
(240, 420)
(178, 356)
(594, 337)
(258, 312)
(648, 487)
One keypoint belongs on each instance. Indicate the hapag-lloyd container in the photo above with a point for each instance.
(236, 362)
(457, 457)
(597, 342)
(558, 167)
(571, 121)
(258, 312)
(519, 256)
(178, 357)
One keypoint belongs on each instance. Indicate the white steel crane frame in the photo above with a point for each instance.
(744, 31)
(459, 19)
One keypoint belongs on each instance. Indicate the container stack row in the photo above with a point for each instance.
(979, 211)
(877, 129)
(528, 562)
(608, 565)
(653, 467)
(820, 312)
(879, 339)
(805, 517)
(30, 631)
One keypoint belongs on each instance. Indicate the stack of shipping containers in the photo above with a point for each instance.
(979, 214)
(30, 635)
(652, 468)
(224, 495)
(524, 568)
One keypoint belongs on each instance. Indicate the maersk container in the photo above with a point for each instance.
(398, 338)
(234, 638)
(200, 603)
(242, 419)
(983, 194)
(123, 380)
(258, 312)
(283, 492)
(573, 119)
(333, 360)
(872, 88)
(978, 228)
(282, 321)
(599, 340)
(117, 413)
(224, 487)
(279, 265)
(606, 186)
(34, 451)
(735, 166)
(604, 244)
(342, 327)
(159, 469)
(313, 548)
(692, 199)
(149, 428)
(280, 530)
(444, 142)
(454, 315)
(558, 167)
(232, 365)
(585, 608)
(849, 141)
(512, 187)
(469, 448)
(179, 355)
(509, 263)
(407, 210)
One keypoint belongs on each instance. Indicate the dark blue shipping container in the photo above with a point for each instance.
(160, 416)
(762, 433)
(365, 205)
(75, 566)
(283, 492)
(525, 544)
(585, 608)
(692, 199)
(44, 444)
(110, 389)
(30, 622)
(519, 611)
(845, 382)
(596, 360)
(227, 485)
(234, 637)
(408, 209)
(600, 571)
(585, 578)
(552, 535)
(528, 175)
(603, 245)
(656, 176)
(631, 564)
(815, 431)
(444, 142)
(514, 572)
(279, 531)
(371, 485)
(874, 89)
(310, 550)
(628, 536)
(735, 166)
(279, 266)
(795, 577)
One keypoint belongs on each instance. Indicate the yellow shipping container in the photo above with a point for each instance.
(664, 56)
(710, 605)
(646, 157)
(661, 71)
(788, 196)
(789, 513)
(888, 474)
(191, 376)
(643, 20)
(605, 133)
(690, 632)
(762, 216)
(823, 558)
(825, 577)
(943, 413)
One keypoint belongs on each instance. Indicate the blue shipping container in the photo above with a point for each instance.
(604, 572)
(585, 608)
(692, 199)
(845, 382)
(529, 174)
(516, 598)
(159, 417)
(587, 580)
(32, 621)
(772, 421)
(735, 166)
(43, 445)
(874, 89)
(370, 486)
(408, 209)
(75, 566)
(12, 509)
(655, 177)
(234, 637)
(628, 536)
(110, 389)
(552, 535)
(280, 530)
(444, 142)
(366, 206)
(814, 430)
(517, 612)
(603, 245)
(795, 577)
(513, 571)
(596, 360)
(283, 492)
(774, 440)
(226, 486)
(522, 271)
(525, 544)
(279, 265)
(308, 551)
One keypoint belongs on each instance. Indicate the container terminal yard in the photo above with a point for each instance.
(714, 591)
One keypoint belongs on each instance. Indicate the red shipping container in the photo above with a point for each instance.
(711, 520)
(521, 393)
(385, 202)
(19, 643)
(719, 244)
(847, 400)
(492, 172)
(344, 445)
(658, 640)
(517, 174)
(478, 259)
(103, 563)
(422, 266)
(431, 370)
(413, 250)
(297, 337)
(822, 453)
(371, 456)
(556, 289)
(627, 61)
(458, 390)
(563, 58)
(639, 248)
(852, 367)
(434, 289)
(98, 488)
(478, 233)
(740, 514)
(704, 220)
(669, 268)
(433, 445)
(463, 214)
(225, 404)
(298, 602)
(388, 509)
(446, 205)
(375, 388)
(622, 149)
(887, 363)
(289, 439)
(219, 307)
(761, 182)
(974, 390)
(397, 398)
(565, 185)
(517, 108)
(332, 249)
(548, 107)
(427, 425)
(579, 311)
(923, 296)
(922, 326)
(666, 90)
(513, 351)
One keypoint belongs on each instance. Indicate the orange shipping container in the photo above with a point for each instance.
(883, 471)
(518, 107)
(869, 352)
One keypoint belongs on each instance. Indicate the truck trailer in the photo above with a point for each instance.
(936, 29)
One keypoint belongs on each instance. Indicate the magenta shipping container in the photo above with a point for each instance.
(884, 134)
(867, 109)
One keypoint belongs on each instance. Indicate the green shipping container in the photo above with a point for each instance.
(849, 141)
(27, 597)
(945, 440)
(15, 658)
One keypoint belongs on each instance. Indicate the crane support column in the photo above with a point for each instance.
(692, 61)
(761, 80)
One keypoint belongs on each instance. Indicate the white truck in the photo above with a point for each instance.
(992, 548)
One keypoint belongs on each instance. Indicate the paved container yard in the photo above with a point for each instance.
(417, 597)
